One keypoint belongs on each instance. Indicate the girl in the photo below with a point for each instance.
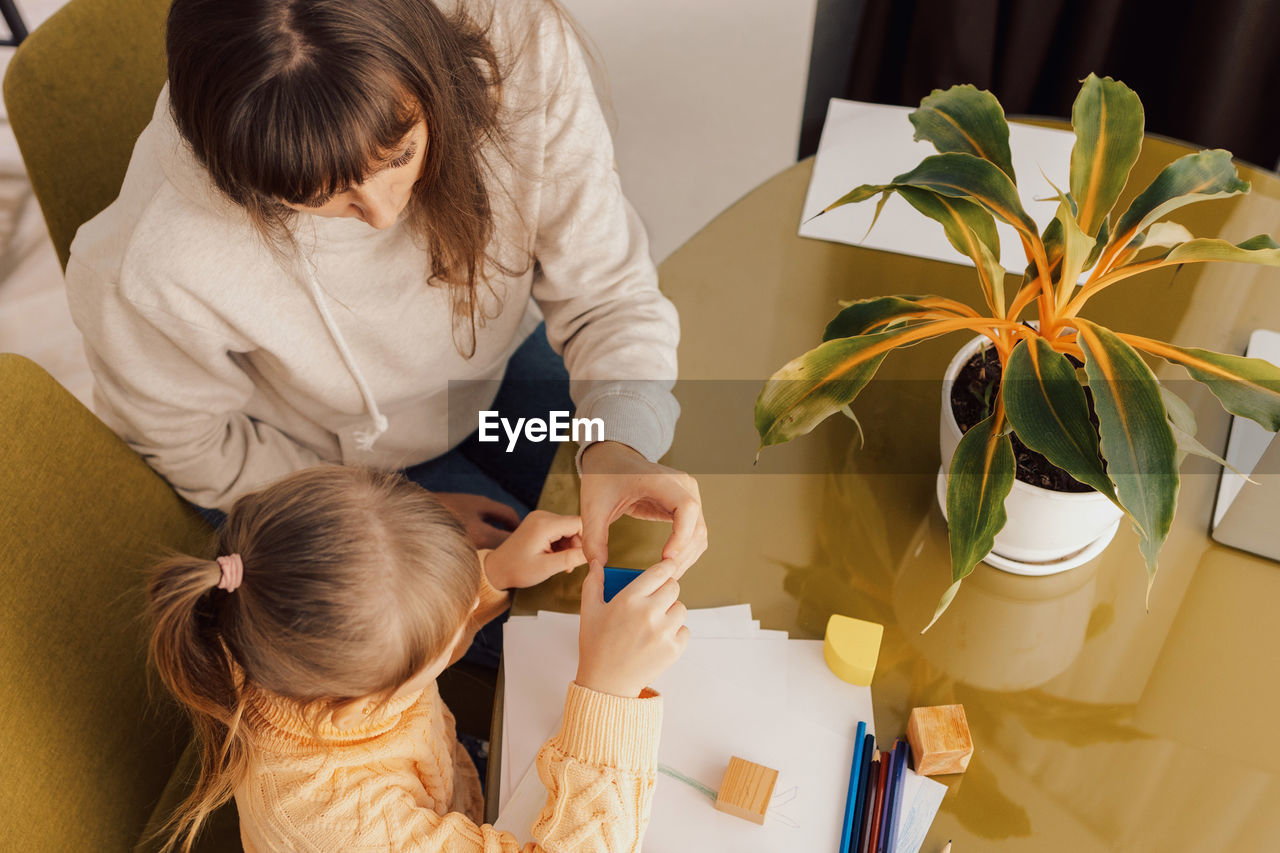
(306, 655)
(341, 223)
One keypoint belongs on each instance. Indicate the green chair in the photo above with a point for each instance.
(90, 756)
(89, 746)
(79, 90)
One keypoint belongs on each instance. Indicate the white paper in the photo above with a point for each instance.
(706, 720)
(1247, 440)
(540, 658)
(872, 143)
(737, 690)
(921, 797)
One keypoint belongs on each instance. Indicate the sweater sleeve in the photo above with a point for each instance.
(599, 770)
(175, 392)
(597, 286)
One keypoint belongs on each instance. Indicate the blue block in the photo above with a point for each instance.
(616, 579)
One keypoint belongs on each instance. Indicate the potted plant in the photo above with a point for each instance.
(1075, 392)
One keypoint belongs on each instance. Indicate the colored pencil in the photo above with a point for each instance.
(947, 849)
(895, 802)
(860, 804)
(886, 808)
(878, 813)
(868, 805)
(851, 797)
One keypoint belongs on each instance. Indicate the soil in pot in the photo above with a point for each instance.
(971, 395)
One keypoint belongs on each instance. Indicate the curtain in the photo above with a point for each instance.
(1207, 73)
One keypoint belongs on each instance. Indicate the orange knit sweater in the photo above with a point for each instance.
(402, 782)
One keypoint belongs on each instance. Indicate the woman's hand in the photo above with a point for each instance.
(624, 645)
(488, 522)
(618, 481)
(544, 544)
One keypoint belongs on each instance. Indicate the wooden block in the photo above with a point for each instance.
(746, 789)
(851, 648)
(939, 738)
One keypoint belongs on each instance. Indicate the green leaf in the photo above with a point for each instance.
(966, 120)
(1248, 387)
(1161, 234)
(943, 603)
(1195, 177)
(1076, 246)
(1183, 423)
(957, 176)
(981, 476)
(1188, 443)
(807, 390)
(971, 231)
(1180, 414)
(1136, 439)
(1054, 246)
(873, 315)
(1256, 250)
(1098, 244)
(1048, 411)
(1108, 121)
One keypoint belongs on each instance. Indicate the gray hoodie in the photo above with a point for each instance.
(228, 365)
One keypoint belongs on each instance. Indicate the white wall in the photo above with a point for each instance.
(706, 96)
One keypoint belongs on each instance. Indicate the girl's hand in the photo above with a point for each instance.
(618, 481)
(488, 522)
(626, 644)
(543, 545)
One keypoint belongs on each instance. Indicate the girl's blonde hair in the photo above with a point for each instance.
(353, 581)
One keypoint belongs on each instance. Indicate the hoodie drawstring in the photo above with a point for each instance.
(378, 421)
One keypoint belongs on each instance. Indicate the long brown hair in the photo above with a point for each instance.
(294, 100)
(353, 581)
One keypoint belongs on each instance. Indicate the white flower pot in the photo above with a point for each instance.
(1047, 531)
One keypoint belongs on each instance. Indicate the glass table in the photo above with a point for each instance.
(1098, 723)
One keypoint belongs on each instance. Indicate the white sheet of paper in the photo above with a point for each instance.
(872, 143)
(541, 658)
(707, 719)
(815, 694)
(1247, 440)
(921, 797)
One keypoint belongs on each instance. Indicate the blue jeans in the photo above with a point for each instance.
(535, 383)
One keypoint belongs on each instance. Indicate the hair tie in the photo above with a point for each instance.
(232, 568)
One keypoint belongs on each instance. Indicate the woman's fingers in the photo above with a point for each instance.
(593, 590)
(595, 532)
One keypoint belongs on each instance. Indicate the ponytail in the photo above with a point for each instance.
(337, 583)
(193, 662)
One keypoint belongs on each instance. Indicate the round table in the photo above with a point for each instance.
(1098, 724)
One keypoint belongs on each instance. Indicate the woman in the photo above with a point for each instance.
(341, 223)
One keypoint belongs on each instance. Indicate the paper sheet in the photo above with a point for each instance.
(1247, 440)
(541, 658)
(706, 720)
(872, 143)
(737, 690)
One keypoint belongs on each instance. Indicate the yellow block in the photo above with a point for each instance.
(851, 648)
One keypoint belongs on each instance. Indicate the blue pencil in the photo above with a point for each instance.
(897, 796)
(851, 797)
(886, 807)
(861, 807)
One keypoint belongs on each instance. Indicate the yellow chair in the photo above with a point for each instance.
(79, 90)
(88, 746)
(89, 758)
